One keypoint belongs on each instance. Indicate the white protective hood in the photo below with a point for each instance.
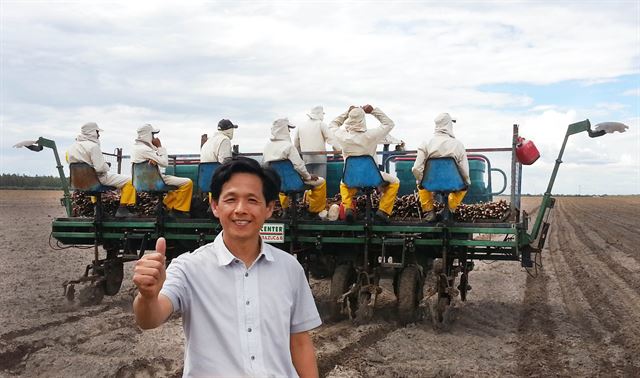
(444, 124)
(280, 129)
(145, 134)
(317, 112)
(88, 133)
(355, 122)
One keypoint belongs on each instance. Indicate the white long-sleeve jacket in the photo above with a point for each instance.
(355, 139)
(280, 148)
(312, 136)
(87, 150)
(218, 147)
(443, 144)
(144, 150)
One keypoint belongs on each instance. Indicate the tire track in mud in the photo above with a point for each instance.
(579, 320)
(536, 330)
(597, 251)
(612, 230)
(13, 355)
(614, 303)
(359, 339)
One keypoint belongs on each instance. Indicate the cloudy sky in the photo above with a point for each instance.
(182, 66)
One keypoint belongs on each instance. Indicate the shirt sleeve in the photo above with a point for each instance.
(386, 125)
(418, 165)
(304, 316)
(98, 160)
(224, 151)
(298, 163)
(175, 284)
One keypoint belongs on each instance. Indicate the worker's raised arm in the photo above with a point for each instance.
(386, 125)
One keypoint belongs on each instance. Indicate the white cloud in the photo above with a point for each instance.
(183, 67)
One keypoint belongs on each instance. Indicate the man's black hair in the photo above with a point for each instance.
(269, 177)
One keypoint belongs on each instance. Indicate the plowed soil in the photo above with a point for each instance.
(579, 315)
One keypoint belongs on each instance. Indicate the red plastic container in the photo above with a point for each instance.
(526, 151)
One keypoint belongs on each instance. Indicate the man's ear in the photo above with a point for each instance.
(270, 206)
(214, 208)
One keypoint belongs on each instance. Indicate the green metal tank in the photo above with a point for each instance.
(334, 175)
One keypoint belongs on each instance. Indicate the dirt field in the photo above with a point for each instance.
(579, 317)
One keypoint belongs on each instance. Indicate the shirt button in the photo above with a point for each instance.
(247, 303)
(248, 329)
(246, 274)
(253, 357)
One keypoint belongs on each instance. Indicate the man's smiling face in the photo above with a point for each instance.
(242, 208)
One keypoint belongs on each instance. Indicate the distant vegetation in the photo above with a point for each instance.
(13, 181)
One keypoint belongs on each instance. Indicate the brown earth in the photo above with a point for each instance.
(580, 316)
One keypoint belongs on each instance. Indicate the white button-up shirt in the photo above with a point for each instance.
(238, 320)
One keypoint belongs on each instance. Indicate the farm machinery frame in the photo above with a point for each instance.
(356, 256)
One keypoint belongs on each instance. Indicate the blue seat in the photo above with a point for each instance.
(441, 175)
(361, 172)
(290, 180)
(84, 178)
(147, 178)
(205, 174)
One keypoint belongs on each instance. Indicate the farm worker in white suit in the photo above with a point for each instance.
(280, 148)
(312, 136)
(148, 148)
(355, 140)
(87, 150)
(217, 149)
(443, 144)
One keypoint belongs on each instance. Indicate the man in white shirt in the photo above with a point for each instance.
(217, 149)
(280, 148)
(247, 307)
(148, 148)
(87, 150)
(443, 144)
(312, 136)
(356, 140)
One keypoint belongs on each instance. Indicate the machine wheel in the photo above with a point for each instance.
(409, 294)
(113, 275)
(342, 279)
(91, 294)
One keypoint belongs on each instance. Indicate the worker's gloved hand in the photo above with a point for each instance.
(610, 127)
(156, 142)
(313, 178)
(367, 109)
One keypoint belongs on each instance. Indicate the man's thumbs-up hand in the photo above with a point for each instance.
(149, 273)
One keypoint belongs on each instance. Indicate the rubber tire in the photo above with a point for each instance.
(409, 294)
(342, 279)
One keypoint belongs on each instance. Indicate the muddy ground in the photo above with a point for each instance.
(580, 316)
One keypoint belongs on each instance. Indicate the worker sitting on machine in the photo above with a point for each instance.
(87, 150)
(356, 140)
(148, 148)
(281, 148)
(443, 144)
(217, 149)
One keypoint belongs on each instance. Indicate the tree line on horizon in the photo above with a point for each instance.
(15, 181)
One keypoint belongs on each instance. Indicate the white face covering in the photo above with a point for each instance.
(228, 133)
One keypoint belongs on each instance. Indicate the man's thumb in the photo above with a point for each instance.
(161, 246)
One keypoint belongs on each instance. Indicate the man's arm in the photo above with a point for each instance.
(97, 160)
(224, 151)
(386, 125)
(150, 307)
(418, 165)
(303, 355)
(298, 163)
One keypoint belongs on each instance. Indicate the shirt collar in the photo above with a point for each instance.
(225, 257)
